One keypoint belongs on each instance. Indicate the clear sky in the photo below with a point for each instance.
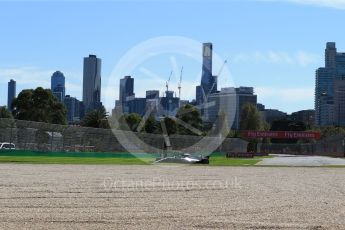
(274, 46)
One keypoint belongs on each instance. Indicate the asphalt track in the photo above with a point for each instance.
(156, 197)
(304, 161)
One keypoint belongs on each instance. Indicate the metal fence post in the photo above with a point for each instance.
(11, 133)
(51, 142)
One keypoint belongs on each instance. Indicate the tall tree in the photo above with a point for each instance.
(96, 118)
(330, 131)
(170, 125)
(191, 116)
(128, 122)
(287, 125)
(150, 125)
(39, 105)
(250, 118)
(5, 113)
(133, 120)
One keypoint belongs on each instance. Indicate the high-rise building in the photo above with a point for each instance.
(339, 102)
(206, 78)
(229, 101)
(92, 83)
(199, 95)
(152, 102)
(208, 81)
(330, 55)
(137, 105)
(326, 110)
(126, 89)
(73, 109)
(169, 104)
(58, 85)
(325, 85)
(152, 94)
(11, 93)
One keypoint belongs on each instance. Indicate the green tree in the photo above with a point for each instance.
(133, 120)
(96, 118)
(250, 118)
(330, 131)
(39, 105)
(5, 113)
(287, 125)
(170, 124)
(233, 134)
(150, 125)
(128, 122)
(266, 127)
(191, 116)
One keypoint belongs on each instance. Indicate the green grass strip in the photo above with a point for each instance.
(73, 160)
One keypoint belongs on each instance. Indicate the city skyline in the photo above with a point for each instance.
(282, 71)
(329, 92)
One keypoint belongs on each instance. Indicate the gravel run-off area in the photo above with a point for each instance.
(162, 197)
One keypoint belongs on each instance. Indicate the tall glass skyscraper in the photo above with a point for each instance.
(208, 81)
(126, 92)
(11, 93)
(58, 85)
(339, 102)
(325, 85)
(92, 83)
(126, 88)
(73, 109)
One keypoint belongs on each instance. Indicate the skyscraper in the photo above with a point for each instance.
(152, 94)
(229, 101)
(126, 93)
(325, 107)
(58, 85)
(126, 88)
(339, 102)
(208, 84)
(11, 93)
(73, 109)
(92, 83)
(330, 55)
(208, 81)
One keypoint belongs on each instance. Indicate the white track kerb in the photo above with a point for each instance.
(169, 46)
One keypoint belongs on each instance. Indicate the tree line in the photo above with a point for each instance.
(41, 105)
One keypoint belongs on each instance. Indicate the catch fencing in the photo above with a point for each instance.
(331, 146)
(37, 136)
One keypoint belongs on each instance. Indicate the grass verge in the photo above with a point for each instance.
(72, 160)
(27, 157)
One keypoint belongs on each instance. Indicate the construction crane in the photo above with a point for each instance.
(219, 73)
(167, 83)
(221, 68)
(180, 84)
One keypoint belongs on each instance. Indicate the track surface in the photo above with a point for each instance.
(305, 161)
(156, 197)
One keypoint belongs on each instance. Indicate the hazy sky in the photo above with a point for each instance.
(274, 46)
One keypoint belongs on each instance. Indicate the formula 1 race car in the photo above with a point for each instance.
(184, 159)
